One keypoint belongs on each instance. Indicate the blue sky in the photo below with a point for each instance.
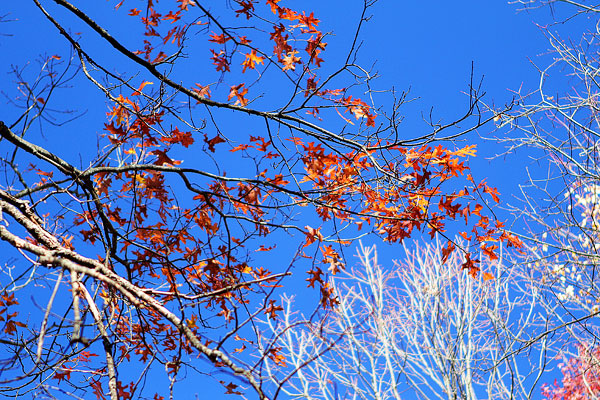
(427, 47)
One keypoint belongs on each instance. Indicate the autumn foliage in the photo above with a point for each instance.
(580, 377)
(152, 250)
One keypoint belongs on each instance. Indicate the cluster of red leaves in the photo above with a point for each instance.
(186, 245)
(396, 211)
(581, 377)
(7, 300)
(292, 27)
(415, 201)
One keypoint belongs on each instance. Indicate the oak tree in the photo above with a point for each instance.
(150, 253)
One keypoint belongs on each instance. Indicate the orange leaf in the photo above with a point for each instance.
(218, 38)
(251, 60)
(446, 251)
(312, 235)
(238, 93)
(139, 90)
(186, 3)
(290, 61)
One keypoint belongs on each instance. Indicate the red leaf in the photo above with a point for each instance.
(447, 251)
(162, 158)
(212, 142)
(218, 38)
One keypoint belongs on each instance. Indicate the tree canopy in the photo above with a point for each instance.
(223, 156)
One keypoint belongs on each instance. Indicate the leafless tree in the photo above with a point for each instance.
(558, 127)
(423, 329)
